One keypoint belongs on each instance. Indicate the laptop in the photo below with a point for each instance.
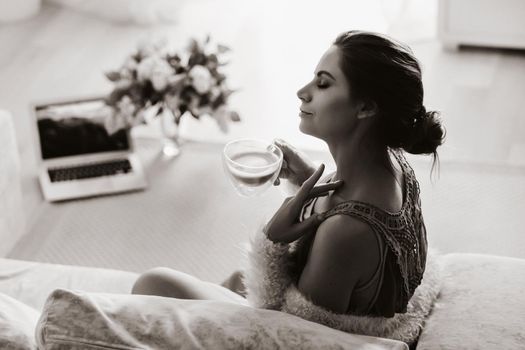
(83, 152)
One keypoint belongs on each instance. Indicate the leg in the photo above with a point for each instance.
(167, 282)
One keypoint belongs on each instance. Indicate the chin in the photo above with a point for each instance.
(307, 129)
(303, 128)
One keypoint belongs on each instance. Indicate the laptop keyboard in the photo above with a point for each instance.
(120, 166)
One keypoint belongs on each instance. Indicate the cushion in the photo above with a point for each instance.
(32, 282)
(481, 304)
(75, 319)
(17, 324)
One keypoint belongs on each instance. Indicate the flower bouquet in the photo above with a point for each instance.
(154, 81)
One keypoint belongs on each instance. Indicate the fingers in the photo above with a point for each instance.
(309, 184)
(323, 189)
(289, 151)
(307, 226)
(284, 146)
(284, 173)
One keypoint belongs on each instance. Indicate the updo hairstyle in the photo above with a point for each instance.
(386, 72)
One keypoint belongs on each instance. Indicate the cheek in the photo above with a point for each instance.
(339, 104)
(338, 111)
(333, 115)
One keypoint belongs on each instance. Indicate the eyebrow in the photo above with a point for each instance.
(321, 72)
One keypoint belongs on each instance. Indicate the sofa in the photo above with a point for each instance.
(481, 305)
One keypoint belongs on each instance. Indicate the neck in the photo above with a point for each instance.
(358, 160)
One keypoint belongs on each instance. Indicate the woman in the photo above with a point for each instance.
(349, 254)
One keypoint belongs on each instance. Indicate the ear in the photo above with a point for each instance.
(367, 109)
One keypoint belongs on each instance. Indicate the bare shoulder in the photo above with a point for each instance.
(347, 231)
(351, 240)
(343, 255)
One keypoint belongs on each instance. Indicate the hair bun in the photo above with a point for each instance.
(422, 113)
(428, 133)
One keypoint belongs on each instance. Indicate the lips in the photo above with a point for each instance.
(303, 113)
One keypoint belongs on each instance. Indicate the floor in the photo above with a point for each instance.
(481, 194)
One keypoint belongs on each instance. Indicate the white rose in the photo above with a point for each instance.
(145, 68)
(123, 83)
(159, 80)
(155, 69)
(126, 106)
(201, 78)
(126, 74)
(114, 122)
(122, 117)
(153, 65)
(215, 92)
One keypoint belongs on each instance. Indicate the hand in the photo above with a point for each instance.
(296, 166)
(284, 227)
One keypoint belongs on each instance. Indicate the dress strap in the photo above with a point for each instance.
(382, 256)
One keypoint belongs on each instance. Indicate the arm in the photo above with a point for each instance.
(342, 255)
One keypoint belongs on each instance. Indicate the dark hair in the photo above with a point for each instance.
(386, 72)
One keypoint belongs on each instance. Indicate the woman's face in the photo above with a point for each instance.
(327, 110)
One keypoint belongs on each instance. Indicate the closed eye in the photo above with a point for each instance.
(322, 84)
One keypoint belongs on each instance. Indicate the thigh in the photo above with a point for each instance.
(167, 282)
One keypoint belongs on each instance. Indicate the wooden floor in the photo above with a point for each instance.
(63, 53)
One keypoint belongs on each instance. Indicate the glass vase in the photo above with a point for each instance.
(170, 134)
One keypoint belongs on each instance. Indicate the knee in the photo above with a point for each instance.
(235, 283)
(234, 277)
(153, 282)
(237, 278)
(237, 274)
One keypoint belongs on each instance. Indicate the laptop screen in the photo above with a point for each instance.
(79, 127)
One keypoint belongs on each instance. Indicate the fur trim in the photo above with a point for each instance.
(266, 277)
(269, 286)
(404, 327)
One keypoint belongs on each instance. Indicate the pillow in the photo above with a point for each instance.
(480, 306)
(31, 282)
(74, 319)
(17, 324)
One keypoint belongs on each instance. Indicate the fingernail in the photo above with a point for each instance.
(270, 148)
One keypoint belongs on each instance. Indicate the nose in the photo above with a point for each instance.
(303, 94)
